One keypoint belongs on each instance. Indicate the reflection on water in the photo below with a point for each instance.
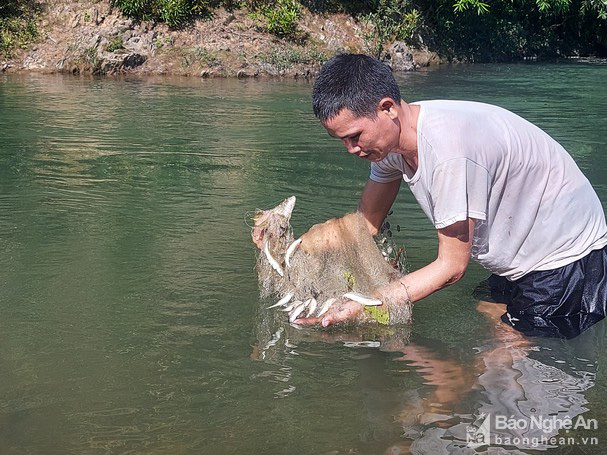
(512, 392)
(131, 321)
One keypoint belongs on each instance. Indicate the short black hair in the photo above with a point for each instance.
(353, 81)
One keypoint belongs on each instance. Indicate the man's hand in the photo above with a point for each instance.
(343, 311)
(392, 294)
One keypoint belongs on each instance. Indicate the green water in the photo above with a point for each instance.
(130, 320)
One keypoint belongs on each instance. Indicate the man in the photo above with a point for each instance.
(496, 187)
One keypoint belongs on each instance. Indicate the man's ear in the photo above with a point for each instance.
(388, 106)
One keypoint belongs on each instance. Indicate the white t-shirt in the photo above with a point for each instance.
(535, 210)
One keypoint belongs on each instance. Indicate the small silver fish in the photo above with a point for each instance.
(312, 307)
(362, 344)
(283, 301)
(298, 310)
(290, 251)
(325, 306)
(292, 305)
(367, 301)
(275, 265)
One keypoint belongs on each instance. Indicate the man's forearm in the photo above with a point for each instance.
(420, 284)
(431, 278)
(454, 244)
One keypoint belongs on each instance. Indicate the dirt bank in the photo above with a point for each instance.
(94, 38)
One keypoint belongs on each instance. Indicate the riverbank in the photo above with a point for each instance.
(95, 38)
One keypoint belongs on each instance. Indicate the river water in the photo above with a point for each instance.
(130, 315)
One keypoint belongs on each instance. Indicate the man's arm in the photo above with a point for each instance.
(454, 245)
(375, 202)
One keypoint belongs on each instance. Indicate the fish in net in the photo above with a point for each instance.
(333, 262)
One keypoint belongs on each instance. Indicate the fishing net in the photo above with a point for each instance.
(333, 258)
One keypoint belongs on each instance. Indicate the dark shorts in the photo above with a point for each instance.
(556, 303)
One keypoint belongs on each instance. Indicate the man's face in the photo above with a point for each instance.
(370, 139)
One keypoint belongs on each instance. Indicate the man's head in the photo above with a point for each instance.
(355, 82)
(357, 100)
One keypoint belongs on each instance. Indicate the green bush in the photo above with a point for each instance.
(90, 61)
(137, 9)
(503, 31)
(174, 12)
(285, 57)
(282, 18)
(205, 56)
(390, 20)
(115, 43)
(279, 17)
(17, 25)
